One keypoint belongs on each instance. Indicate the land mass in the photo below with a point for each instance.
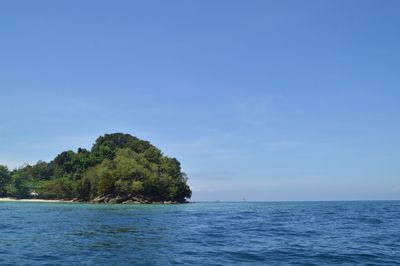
(119, 168)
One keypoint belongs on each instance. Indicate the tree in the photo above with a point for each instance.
(106, 183)
(60, 188)
(19, 186)
(4, 180)
(118, 164)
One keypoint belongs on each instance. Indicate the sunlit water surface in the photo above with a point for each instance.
(285, 233)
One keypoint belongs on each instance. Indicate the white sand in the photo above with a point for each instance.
(27, 200)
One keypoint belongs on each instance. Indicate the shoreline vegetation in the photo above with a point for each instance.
(119, 168)
(111, 201)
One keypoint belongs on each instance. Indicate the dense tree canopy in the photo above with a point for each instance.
(4, 180)
(118, 165)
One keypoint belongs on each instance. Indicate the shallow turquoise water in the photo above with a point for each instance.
(291, 233)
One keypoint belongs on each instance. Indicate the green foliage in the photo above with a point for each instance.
(83, 189)
(4, 180)
(106, 183)
(107, 145)
(60, 188)
(117, 164)
(19, 186)
(137, 187)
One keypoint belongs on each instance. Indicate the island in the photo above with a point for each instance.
(119, 168)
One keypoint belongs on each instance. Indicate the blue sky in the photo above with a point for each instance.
(263, 100)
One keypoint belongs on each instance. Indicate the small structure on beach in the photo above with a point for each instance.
(34, 194)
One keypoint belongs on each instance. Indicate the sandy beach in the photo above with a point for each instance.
(27, 200)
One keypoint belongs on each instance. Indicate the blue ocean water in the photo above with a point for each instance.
(248, 233)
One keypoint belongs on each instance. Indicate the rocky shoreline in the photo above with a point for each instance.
(128, 199)
(103, 199)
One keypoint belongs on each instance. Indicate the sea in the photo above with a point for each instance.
(203, 233)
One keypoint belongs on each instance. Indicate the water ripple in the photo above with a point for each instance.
(295, 233)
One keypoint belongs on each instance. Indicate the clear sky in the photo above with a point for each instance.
(263, 100)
